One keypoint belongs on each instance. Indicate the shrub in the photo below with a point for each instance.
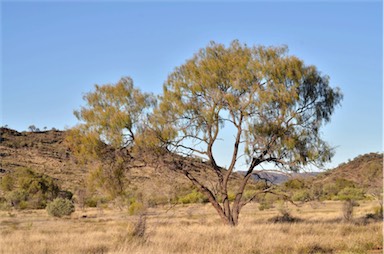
(91, 201)
(60, 207)
(350, 193)
(193, 197)
(267, 201)
(7, 183)
(285, 216)
(24, 188)
(16, 197)
(136, 208)
(301, 195)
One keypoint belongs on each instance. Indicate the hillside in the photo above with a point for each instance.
(45, 152)
(365, 171)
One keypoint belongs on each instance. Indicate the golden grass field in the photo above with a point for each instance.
(191, 229)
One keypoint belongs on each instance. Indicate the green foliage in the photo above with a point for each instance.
(193, 197)
(94, 201)
(114, 112)
(264, 87)
(301, 195)
(60, 207)
(250, 193)
(26, 189)
(275, 103)
(295, 184)
(378, 211)
(113, 116)
(135, 206)
(350, 193)
(7, 183)
(17, 198)
(266, 201)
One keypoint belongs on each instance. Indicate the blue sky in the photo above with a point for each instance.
(54, 52)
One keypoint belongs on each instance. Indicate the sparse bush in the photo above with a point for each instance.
(350, 193)
(193, 197)
(60, 207)
(348, 210)
(267, 201)
(91, 201)
(231, 196)
(285, 216)
(135, 207)
(249, 194)
(295, 184)
(301, 195)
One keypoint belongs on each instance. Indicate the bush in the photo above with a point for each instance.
(24, 188)
(60, 207)
(16, 197)
(350, 193)
(136, 208)
(301, 195)
(193, 197)
(267, 201)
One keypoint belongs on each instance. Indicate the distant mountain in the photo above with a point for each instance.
(278, 178)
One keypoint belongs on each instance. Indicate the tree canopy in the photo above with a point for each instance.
(274, 101)
(110, 121)
(115, 112)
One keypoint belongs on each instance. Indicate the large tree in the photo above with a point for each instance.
(274, 103)
(113, 116)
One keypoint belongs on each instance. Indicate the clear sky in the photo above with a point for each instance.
(54, 52)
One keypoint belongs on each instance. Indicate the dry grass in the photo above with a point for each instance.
(191, 229)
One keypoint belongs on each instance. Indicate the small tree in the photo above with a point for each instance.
(105, 138)
(274, 103)
(33, 128)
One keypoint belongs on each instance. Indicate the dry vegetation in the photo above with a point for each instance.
(192, 229)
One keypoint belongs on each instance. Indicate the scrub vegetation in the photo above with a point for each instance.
(140, 173)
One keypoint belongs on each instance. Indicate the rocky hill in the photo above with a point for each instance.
(42, 152)
(45, 152)
(365, 171)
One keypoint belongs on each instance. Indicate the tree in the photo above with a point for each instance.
(275, 104)
(113, 115)
(33, 128)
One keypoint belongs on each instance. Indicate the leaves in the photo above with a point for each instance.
(115, 112)
(111, 121)
(278, 102)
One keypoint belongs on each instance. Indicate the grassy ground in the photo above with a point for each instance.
(192, 229)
